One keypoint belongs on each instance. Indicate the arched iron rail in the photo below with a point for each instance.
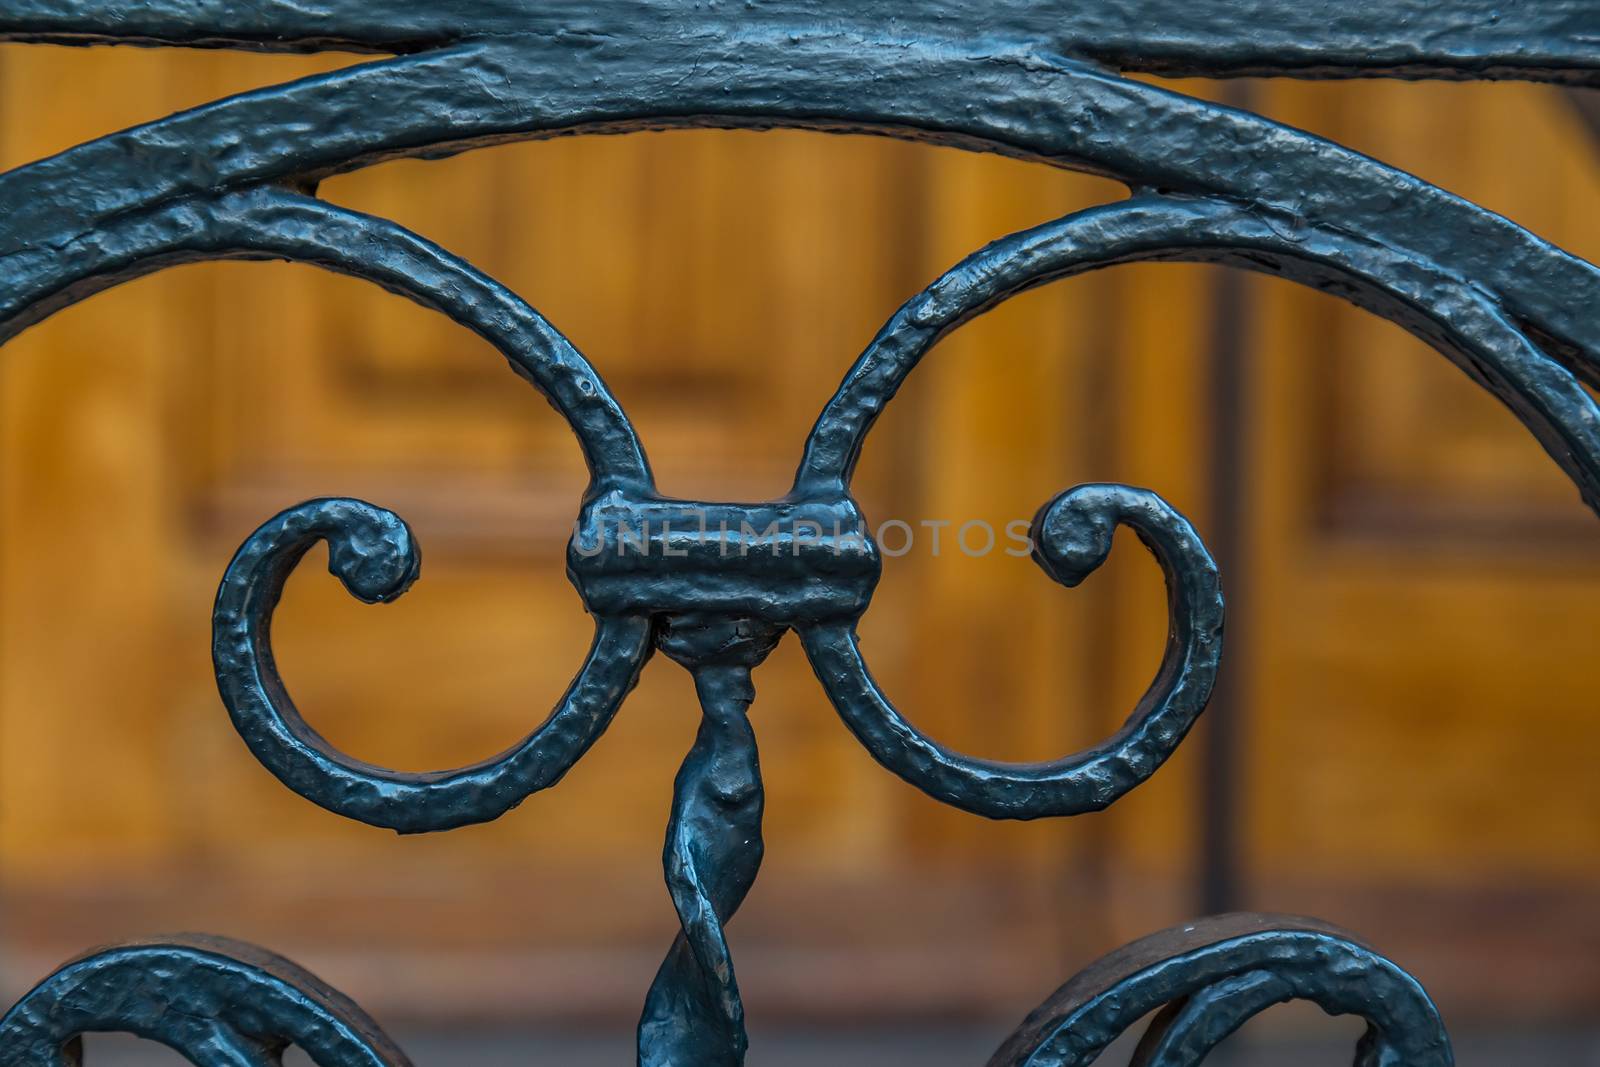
(1041, 81)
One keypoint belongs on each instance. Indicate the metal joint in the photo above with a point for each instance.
(787, 561)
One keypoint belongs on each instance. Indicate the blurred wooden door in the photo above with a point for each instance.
(1422, 632)
(722, 283)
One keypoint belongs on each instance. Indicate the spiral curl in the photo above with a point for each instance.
(1072, 537)
(216, 1002)
(373, 553)
(1209, 977)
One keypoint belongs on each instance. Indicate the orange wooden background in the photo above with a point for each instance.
(1413, 643)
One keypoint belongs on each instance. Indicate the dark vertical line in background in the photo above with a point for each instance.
(1587, 104)
(908, 221)
(1097, 407)
(1221, 887)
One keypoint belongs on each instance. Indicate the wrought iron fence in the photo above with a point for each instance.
(716, 585)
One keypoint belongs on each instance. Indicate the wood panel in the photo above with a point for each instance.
(722, 283)
(1421, 695)
(1411, 628)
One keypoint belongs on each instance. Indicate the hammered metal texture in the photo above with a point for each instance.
(715, 585)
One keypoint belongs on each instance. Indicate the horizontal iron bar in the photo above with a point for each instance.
(1552, 40)
(785, 561)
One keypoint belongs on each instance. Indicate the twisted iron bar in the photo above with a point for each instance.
(234, 179)
(693, 1013)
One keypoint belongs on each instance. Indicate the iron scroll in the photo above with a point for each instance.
(1042, 81)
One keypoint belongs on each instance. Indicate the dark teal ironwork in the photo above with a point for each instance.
(716, 585)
